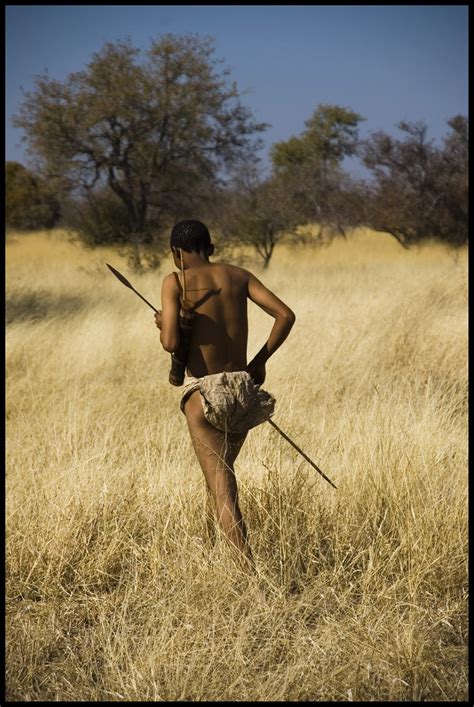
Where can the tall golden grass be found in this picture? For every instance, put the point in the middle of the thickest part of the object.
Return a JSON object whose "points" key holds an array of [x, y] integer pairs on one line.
{"points": [[112, 593]]}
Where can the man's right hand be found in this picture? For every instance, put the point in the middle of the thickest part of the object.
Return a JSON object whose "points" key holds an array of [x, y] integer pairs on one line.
{"points": [[158, 320]]}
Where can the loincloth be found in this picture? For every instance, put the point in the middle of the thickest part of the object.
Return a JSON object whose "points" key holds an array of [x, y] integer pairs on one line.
{"points": [[231, 401]]}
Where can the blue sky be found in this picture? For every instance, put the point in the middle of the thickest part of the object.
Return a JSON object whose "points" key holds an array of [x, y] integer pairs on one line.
{"points": [[386, 62]]}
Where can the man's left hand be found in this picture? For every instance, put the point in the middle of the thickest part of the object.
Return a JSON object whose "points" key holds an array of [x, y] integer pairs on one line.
{"points": [[256, 369]]}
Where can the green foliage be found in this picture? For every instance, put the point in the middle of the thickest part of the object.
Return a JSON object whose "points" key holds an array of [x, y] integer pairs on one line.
{"points": [[331, 134], [157, 131], [259, 212], [310, 166], [99, 218], [29, 204], [420, 191], [290, 154], [307, 185], [452, 210]]}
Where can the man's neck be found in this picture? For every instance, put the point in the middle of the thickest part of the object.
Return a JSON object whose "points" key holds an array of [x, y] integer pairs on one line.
{"points": [[194, 260]]}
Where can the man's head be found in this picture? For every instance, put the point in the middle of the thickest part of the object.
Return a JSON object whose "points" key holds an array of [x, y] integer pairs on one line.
{"points": [[191, 236]]}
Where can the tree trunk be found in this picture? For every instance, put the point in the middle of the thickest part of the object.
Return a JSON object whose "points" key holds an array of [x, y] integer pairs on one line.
{"points": [[135, 258], [268, 248], [342, 231], [397, 235], [266, 259]]}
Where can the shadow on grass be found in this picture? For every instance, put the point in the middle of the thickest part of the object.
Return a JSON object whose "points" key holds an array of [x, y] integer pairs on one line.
{"points": [[40, 304]]}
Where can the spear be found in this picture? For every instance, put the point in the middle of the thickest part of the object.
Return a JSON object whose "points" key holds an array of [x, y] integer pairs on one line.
{"points": [[125, 282]]}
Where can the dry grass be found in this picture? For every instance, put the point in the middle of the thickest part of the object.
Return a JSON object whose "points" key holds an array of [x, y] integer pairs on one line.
{"points": [[112, 594]]}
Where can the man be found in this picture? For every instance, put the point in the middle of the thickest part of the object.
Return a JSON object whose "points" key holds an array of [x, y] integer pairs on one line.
{"points": [[222, 399]]}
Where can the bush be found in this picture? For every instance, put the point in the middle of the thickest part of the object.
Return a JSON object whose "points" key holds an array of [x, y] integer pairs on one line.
{"points": [[29, 204]]}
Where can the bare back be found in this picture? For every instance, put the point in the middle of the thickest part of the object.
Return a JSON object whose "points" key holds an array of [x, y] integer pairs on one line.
{"points": [[220, 325], [219, 292]]}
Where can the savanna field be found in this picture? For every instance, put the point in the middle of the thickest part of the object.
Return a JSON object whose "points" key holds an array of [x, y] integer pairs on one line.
{"points": [[113, 594]]}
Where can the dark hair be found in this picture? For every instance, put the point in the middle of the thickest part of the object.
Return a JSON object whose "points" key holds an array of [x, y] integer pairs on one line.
{"points": [[190, 235]]}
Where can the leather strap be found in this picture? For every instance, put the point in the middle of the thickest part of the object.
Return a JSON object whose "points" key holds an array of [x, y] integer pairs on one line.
{"points": [[178, 283]]}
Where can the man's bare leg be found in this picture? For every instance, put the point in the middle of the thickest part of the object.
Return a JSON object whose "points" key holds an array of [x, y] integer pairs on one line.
{"points": [[217, 455], [209, 517]]}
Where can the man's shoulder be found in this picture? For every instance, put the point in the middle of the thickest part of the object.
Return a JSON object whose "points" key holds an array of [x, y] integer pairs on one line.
{"points": [[234, 270], [170, 281]]}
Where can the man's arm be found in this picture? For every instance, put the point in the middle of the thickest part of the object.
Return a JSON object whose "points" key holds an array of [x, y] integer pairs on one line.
{"points": [[284, 320], [169, 335]]}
